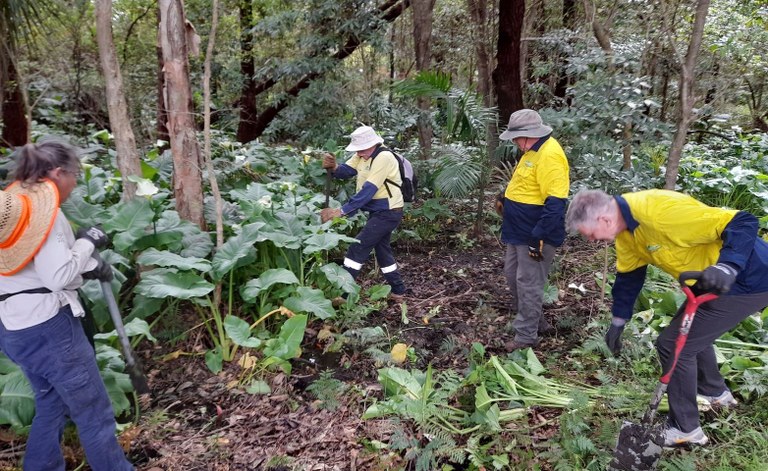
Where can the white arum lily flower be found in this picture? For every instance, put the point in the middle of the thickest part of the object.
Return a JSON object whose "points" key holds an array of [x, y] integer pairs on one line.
{"points": [[145, 187], [266, 201]]}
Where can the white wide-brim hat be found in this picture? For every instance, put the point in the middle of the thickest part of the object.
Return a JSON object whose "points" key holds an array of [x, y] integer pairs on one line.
{"points": [[363, 138], [27, 213], [525, 123]]}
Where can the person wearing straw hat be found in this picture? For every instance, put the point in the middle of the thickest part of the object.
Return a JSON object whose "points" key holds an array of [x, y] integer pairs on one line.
{"points": [[373, 165], [533, 210], [42, 264]]}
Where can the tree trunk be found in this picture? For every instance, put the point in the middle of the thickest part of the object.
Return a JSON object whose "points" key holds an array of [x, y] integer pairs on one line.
{"points": [[14, 109], [187, 176], [478, 11], [422, 33], [125, 141], [162, 110], [246, 130], [506, 76], [687, 96]]}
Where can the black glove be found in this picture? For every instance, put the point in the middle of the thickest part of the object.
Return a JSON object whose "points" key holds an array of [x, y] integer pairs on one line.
{"points": [[102, 272], [535, 249], [95, 234], [718, 278], [613, 338]]}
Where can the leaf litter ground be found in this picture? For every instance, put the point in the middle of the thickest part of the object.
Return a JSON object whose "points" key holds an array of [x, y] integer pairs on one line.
{"points": [[198, 421]]}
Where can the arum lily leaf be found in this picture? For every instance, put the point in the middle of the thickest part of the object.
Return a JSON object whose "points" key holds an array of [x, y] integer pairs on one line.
{"points": [[399, 381], [339, 277], [287, 345], [240, 332], [169, 259], [310, 300], [324, 241], [17, 402], [129, 221], [267, 279], [164, 283], [237, 251]]}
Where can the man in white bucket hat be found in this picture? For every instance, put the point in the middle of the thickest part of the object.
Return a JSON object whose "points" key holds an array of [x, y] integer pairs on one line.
{"points": [[533, 212], [375, 167]]}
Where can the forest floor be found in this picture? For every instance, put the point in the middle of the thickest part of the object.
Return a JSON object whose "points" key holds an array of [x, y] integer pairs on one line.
{"points": [[198, 421]]}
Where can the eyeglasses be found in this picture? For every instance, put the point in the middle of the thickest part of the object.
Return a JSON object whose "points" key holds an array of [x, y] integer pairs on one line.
{"points": [[75, 173]]}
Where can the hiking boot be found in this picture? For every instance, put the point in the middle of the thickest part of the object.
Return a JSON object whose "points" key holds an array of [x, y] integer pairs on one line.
{"points": [[397, 298], [518, 345], [724, 400], [674, 437], [546, 329]]}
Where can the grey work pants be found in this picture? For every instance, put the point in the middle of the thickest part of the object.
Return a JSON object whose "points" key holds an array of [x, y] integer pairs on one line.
{"points": [[526, 279], [696, 370]]}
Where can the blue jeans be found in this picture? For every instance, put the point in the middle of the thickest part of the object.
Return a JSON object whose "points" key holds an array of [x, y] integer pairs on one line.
{"points": [[61, 367]]}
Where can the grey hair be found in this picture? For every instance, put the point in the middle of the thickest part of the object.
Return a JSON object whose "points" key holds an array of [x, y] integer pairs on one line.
{"points": [[34, 161], [585, 208]]}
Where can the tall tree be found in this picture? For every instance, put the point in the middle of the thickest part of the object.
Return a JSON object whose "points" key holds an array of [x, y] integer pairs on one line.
{"points": [[17, 18], [187, 175], [385, 13], [119, 120], [246, 129], [687, 94], [422, 34], [506, 76]]}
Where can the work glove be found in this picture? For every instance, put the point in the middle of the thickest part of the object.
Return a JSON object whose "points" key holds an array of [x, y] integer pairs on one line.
{"points": [[535, 249], [102, 272], [329, 161], [499, 204], [94, 234], [613, 336], [718, 278], [327, 214]]}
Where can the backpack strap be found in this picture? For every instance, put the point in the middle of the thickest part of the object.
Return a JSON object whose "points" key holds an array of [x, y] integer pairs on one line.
{"points": [[379, 149], [3, 297]]}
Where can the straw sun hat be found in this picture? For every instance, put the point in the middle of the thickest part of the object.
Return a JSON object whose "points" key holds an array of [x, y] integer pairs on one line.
{"points": [[26, 217]]}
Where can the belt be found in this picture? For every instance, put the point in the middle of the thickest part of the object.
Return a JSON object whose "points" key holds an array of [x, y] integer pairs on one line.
{"points": [[397, 209]]}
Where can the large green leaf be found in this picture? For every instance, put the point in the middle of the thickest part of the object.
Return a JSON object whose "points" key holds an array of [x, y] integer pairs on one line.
{"points": [[287, 345], [17, 401], [399, 381], [169, 259], [82, 213], [240, 332], [325, 241], [339, 277], [273, 276], [129, 222], [166, 282], [310, 300], [132, 329], [237, 251]]}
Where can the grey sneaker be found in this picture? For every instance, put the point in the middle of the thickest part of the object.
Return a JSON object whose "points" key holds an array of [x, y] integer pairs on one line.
{"points": [[674, 437], [724, 400]]}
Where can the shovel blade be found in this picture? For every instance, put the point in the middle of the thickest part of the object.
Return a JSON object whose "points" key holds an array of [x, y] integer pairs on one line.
{"points": [[638, 449]]}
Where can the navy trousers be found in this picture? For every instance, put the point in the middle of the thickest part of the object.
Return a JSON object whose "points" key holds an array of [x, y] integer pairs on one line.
{"points": [[376, 235]]}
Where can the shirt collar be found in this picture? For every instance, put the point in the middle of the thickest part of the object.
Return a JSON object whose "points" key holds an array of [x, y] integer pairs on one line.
{"points": [[626, 213], [540, 143]]}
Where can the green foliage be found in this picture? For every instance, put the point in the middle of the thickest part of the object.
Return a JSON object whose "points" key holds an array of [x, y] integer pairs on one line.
{"points": [[328, 390]]}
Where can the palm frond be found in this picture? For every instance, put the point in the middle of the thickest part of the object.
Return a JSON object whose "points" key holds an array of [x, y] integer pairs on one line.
{"points": [[457, 173]]}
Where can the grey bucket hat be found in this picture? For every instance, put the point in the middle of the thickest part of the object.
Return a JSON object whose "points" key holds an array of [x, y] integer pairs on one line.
{"points": [[525, 123]]}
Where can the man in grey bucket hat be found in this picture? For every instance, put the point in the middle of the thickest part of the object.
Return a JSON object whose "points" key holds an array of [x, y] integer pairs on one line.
{"points": [[533, 221]]}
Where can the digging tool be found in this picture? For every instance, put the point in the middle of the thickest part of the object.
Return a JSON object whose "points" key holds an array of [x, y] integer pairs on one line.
{"points": [[640, 445], [328, 178], [133, 367]]}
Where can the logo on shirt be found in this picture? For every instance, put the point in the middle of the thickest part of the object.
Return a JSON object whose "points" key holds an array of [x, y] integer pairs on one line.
{"points": [[652, 248], [528, 163]]}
